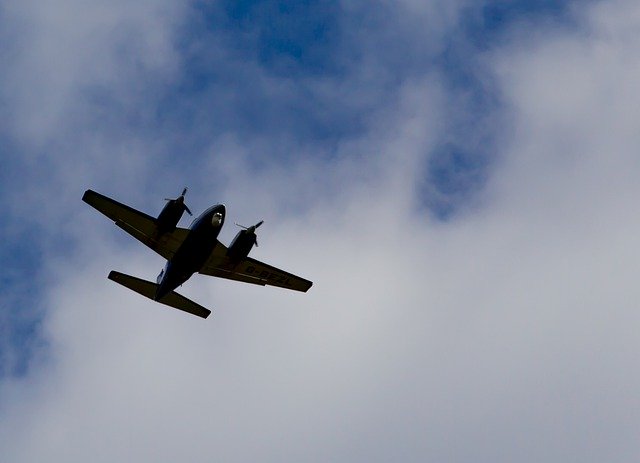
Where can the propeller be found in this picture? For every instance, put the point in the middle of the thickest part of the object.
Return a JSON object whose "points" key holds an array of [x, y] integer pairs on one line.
{"points": [[251, 229], [180, 199]]}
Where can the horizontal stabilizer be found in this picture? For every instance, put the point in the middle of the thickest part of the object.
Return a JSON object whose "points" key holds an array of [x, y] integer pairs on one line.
{"points": [[148, 289]]}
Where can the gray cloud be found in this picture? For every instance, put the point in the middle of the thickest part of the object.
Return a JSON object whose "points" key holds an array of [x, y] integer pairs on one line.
{"points": [[505, 334]]}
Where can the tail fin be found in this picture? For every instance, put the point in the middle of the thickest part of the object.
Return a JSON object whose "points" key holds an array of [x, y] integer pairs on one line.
{"points": [[148, 289]]}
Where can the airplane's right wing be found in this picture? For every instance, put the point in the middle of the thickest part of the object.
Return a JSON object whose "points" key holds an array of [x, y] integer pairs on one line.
{"points": [[250, 270], [141, 226]]}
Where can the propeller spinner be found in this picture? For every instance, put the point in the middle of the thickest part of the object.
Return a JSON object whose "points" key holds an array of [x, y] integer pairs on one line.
{"points": [[243, 242], [251, 229], [171, 213], [180, 200]]}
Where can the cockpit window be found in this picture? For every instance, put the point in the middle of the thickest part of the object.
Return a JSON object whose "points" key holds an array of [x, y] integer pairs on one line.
{"points": [[216, 219]]}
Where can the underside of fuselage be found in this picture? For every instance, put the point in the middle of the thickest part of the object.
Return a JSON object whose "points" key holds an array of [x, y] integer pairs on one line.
{"points": [[194, 251]]}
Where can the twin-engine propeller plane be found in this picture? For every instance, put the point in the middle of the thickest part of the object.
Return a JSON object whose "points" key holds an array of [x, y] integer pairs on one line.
{"points": [[191, 250]]}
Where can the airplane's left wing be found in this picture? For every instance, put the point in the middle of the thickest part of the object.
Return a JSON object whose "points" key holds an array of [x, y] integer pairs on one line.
{"points": [[250, 270], [141, 226]]}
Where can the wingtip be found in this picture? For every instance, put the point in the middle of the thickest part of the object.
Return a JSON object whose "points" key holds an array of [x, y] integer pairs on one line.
{"points": [[86, 195]]}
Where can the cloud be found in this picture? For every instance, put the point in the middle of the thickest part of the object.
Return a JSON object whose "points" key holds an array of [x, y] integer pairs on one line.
{"points": [[505, 333]]}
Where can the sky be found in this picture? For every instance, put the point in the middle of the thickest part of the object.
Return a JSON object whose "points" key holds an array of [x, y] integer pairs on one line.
{"points": [[458, 178]]}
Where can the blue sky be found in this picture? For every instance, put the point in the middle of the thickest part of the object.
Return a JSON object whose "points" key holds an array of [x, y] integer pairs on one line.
{"points": [[451, 131]]}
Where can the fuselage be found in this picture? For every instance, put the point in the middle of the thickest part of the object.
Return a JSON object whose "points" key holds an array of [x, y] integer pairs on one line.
{"points": [[194, 251]]}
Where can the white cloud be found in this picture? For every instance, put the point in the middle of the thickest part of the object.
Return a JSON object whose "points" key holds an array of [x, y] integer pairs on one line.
{"points": [[60, 50], [507, 334]]}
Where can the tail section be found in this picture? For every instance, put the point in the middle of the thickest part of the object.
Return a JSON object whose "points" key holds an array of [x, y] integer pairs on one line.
{"points": [[148, 289]]}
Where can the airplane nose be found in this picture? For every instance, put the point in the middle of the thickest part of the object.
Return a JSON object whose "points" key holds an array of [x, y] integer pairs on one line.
{"points": [[217, 219]]}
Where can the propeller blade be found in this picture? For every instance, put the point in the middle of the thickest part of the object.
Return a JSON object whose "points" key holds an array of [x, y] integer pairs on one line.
{"points": [[184, 192], [252, 227]]}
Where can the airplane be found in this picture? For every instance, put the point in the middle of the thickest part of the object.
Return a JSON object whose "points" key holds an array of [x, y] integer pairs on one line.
{"points": [[189, 251]]}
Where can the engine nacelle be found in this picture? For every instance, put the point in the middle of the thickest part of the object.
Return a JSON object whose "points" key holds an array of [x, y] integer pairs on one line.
{"points": [[242, 244], [169, 217], [172, 213]]}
